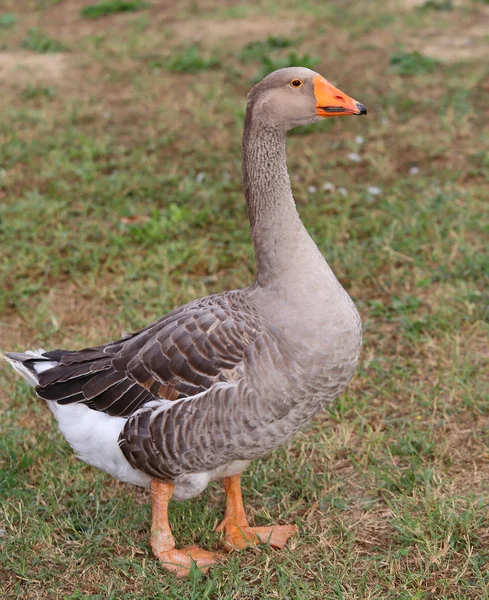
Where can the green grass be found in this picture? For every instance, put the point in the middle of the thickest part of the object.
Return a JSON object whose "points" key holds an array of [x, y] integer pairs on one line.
{"points": [[260, 49], [38, 41], [437, 5], [188, 60], [121, 199], [38, 91], [110, 7], [7, 20], [412, 63]]}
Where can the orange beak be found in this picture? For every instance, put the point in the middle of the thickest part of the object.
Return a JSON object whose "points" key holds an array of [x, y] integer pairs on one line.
{"points": [[331, 102]]}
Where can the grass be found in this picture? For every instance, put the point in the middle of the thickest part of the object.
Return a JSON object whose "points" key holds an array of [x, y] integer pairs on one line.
{"points": [[188, 60], [38, 41], [7, 20], [260, 49], [120, 198], [412, 63], [37, 91], [110, 7], [440, 5]]}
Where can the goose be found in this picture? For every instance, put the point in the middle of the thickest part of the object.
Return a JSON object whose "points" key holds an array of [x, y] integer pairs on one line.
{"points": [[224, 379]]}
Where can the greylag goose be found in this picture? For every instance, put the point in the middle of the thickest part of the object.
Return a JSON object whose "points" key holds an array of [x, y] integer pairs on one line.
{"points": [[224, 379]]}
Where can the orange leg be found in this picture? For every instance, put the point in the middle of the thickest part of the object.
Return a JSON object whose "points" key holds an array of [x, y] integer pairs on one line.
{"points": [[163, 542], [238, 533]]}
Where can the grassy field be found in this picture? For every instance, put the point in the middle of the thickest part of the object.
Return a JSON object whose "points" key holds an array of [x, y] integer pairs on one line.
{"points": [[120, 198]]}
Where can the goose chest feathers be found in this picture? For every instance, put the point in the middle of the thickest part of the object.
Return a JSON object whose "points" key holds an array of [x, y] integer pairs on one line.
{"points": [[224, 379]]}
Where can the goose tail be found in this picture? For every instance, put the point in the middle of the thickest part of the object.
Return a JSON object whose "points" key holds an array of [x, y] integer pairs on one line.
{"points": [[31, 362]]}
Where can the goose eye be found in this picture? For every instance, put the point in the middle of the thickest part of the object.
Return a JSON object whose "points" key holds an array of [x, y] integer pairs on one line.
{"points": [[296, 83]]}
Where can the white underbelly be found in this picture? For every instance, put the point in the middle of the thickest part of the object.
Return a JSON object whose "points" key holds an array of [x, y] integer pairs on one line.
{"points": [[94, 436], [188, 486]]}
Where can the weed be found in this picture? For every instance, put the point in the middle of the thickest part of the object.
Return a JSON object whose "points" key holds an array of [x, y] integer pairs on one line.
{"points": [[257, 51], [187, 60], [109, 7], [437, 5], [7, 20], [412, 63], [38, 91], [38, 41]]}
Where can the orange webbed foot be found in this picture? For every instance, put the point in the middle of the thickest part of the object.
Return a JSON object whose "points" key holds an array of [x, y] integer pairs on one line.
{"points": [[276, 536], [162, 542], [238, 534], [239, 538], [180, 561]]}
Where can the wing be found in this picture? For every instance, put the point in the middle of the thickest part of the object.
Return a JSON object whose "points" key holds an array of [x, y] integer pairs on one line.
{"points": [[237, 420], [182, 354]]}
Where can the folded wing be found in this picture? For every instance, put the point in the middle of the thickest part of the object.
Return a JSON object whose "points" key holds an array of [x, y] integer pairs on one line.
{"points": [[182, 354]]}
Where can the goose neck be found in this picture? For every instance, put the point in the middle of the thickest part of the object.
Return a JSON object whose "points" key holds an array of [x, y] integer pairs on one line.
{"points": [[282, 245]]}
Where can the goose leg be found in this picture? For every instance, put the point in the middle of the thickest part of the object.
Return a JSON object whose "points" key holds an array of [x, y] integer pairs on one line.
{"points": [[238, 533], [163, 542]]}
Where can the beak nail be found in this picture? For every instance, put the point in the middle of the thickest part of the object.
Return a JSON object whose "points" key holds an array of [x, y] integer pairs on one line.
{"points": [[361, 108]]}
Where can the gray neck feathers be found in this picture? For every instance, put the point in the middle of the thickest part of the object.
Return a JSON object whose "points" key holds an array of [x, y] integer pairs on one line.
{"points": [[284, 251]]}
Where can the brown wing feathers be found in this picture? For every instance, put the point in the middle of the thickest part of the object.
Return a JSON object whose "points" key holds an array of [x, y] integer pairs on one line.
{"points": [[93, 382], [180, 355]]}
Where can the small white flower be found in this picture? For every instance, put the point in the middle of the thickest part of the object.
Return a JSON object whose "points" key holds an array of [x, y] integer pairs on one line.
{"points": [[374, 190], [107, 114], [413, 171], [359, 140], [3, 172], [353, 156], [329, 187], [342, 191], [200, 177], [312, 189]]}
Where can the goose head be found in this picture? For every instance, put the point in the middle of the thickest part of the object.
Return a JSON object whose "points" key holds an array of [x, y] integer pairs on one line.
{"points": [[297, 96]]}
